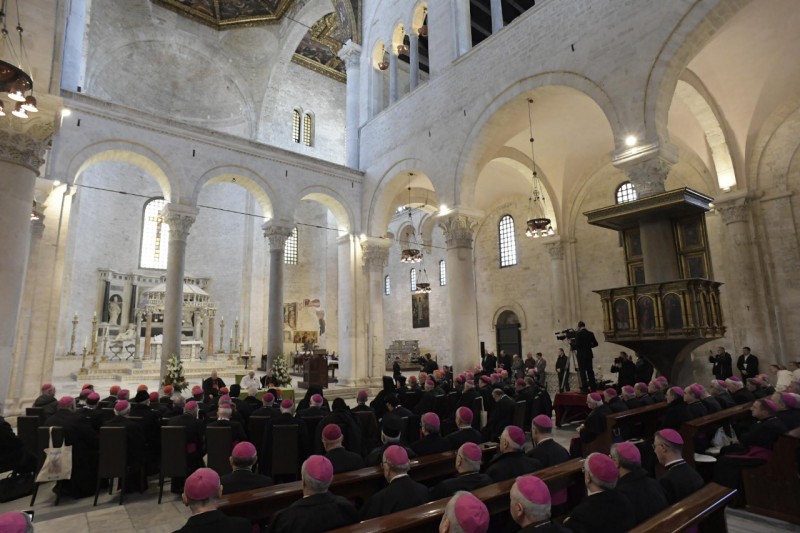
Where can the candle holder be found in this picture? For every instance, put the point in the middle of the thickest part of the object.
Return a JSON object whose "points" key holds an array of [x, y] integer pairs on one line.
{"points": [[83, 371], [94, 334], [221, 335], [103, 357], [94, 361], [72, 337]]}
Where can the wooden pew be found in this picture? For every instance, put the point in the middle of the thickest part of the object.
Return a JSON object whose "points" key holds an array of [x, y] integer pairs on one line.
{"points": [[773, 489], [705, 509], [260, 505], [648, 416], [708, 425], [426, 518]]}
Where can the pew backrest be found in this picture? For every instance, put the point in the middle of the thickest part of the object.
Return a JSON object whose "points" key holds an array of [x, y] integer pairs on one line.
{"points": [[772, 489], [706, 507], [646, 418], [707, 425]]}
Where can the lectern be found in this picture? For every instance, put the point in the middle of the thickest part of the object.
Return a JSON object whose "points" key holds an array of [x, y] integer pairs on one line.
{"points": [[315, 372]]}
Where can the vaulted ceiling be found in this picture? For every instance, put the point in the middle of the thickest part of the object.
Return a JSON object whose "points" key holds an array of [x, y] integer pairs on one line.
{"points": [[221, 14]]}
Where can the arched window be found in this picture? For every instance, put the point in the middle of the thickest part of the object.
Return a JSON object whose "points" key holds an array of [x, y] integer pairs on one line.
{"points": [[508, 242], [296, 125], [413, 279], [155, 235], [387, 285], [308, 129], [626, 193], [442, 273], [290, 249]]}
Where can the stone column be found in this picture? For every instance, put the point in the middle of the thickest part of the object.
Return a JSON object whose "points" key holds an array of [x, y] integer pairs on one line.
{"points": [[558, 285], [459, 228], [375, 251], [276, 235], [497, 16], [180, 219], [393, 82], [350, 53], [413, 55], [22, 149], [647, 168], [210, 333], [740, 273], [348, 363], [463, 29], [148, 328]]}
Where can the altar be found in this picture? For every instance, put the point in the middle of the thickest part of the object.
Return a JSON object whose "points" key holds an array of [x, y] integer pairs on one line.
{"points": [[190, 349]]}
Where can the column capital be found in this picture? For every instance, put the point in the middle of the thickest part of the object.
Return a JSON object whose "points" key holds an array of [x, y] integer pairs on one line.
{"points": [[556, 249], [277, 233], [374, 252], [647, 166], [459, 226], [180, 219], [350, 53], [733, 211], [24, 143]]}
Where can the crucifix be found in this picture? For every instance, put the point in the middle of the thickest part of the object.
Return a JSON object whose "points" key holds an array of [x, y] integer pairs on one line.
{"points": [[159, 221]]}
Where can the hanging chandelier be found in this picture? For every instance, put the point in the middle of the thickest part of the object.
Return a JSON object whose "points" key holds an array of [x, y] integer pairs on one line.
{"points": [[538, 225], [423, 287], [14, 81], [412, 254]]}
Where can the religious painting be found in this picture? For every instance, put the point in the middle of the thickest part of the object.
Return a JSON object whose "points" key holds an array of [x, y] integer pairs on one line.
{"points": [[673, 315], [305, 337], [694, 265], [622, 314], [290, 315], [633, 244], [690, 234], [645, 313], [420, 311], [636, 273]]}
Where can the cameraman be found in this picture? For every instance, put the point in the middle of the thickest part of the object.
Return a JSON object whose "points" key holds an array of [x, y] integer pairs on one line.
{"points": [[583, 344], [722, 363], [626, 370]]}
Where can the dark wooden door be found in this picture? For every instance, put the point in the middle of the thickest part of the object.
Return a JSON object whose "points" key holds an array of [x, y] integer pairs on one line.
{"points": [[509, 339]]}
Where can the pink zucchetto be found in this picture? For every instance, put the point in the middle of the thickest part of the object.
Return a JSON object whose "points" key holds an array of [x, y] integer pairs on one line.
{"points": [[123, 394], [362, 395], [332, 432], [471, 451], [287, 404], [65, 401], [201, 485], [543, 421], [671, 436], [46, 387], [697, 390], [13, 522], [789, 400], [465, 414], [516, 434], [191, 405], [533, 489], [396, 455], [197, 390], [662, 379], [269, 398], [641, 386], [153, 396], [596, 397], [471, 513], [677, 391], [319, 467], [735, 379], [486, 379], [244, 450], [611, 393], [627, 389], [602, 467], [629, 452], [121, 406], [316, 398], [431, 419]]}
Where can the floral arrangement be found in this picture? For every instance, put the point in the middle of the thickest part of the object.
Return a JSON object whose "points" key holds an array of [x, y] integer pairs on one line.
{"points": [[280, 372], [175, 375]]}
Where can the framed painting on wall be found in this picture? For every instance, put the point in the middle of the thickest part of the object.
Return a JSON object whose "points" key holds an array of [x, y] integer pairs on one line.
{"points": [[420, 311], [694, 265]]}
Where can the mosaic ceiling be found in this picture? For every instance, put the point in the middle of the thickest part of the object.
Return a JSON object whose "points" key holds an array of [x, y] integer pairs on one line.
{"points": [[320, 44]]}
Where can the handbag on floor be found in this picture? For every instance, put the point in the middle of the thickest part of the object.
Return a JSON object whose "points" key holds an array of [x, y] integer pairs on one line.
{"points": [[57, 462], [16, 486]]}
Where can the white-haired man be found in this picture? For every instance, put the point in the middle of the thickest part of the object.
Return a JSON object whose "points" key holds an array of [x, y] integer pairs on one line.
{"points": [[401, 493], [464, 513], [603, 510], [530, 506]]}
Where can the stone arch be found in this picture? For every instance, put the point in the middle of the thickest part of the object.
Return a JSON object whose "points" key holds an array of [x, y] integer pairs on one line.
{"points": [[398, 35], [245, 178], [514, 307], [418, 14], [777, 153], [394, 181], [695, 29], [467, 171], [705, 109], [126, 152], [340, 208]]}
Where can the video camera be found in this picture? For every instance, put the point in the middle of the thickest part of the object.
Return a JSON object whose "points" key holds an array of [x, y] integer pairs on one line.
{"points": [[570, 334]]}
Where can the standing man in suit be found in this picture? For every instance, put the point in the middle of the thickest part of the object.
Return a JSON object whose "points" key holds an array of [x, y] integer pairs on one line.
{"points": [[562, 368], [721, 363], [680, 480], [747, 364], [584, 342], [502, 415]]}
